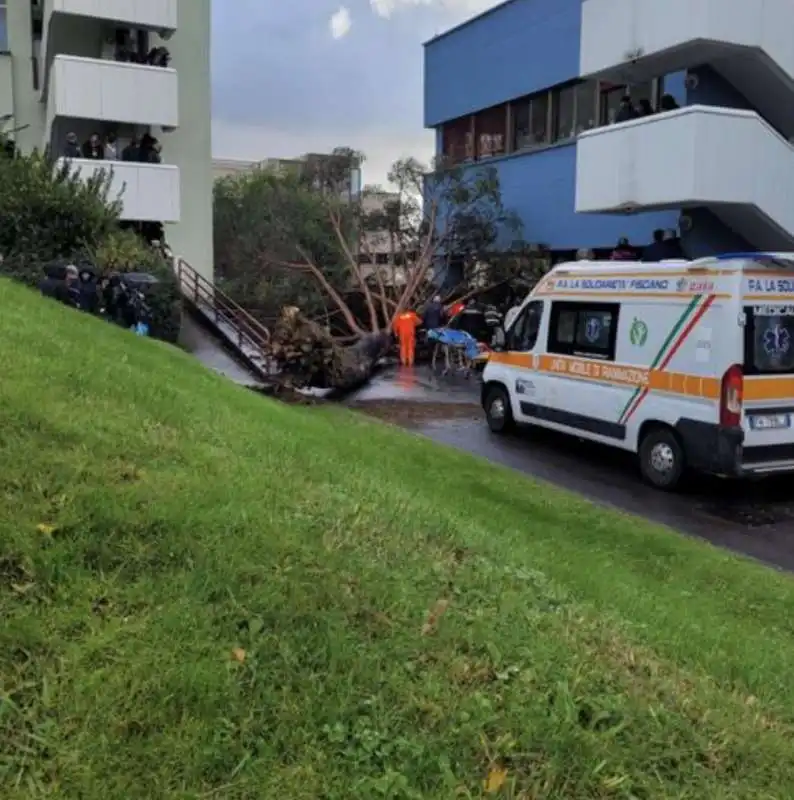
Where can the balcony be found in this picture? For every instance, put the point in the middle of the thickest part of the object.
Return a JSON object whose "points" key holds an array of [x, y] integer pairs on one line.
{"points": [[749, 43], [156, 15], [148, 192], [111, 91], [728, 160]]}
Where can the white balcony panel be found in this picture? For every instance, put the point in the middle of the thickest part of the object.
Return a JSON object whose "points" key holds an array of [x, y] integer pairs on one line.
{"points": [[617, 31], [729, 160], [109, 91], [148, 192], [748, 41], [160, 15]]}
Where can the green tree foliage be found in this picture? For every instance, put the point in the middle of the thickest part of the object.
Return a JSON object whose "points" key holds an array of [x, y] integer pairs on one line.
{"points": [[48, 214], [306, 236], [265, 222]]}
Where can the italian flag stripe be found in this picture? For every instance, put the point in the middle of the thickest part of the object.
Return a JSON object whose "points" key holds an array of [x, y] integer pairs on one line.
{"points": [[639, 393]]}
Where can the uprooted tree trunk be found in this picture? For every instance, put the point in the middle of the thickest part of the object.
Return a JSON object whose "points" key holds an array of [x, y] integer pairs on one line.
{"points": [[307, 355]]}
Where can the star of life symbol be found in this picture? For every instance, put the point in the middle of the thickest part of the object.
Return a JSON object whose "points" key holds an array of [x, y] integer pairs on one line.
{"points": [[777, 341], [592, 330]]}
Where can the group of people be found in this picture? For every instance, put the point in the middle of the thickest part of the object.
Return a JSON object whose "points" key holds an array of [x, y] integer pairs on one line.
{"points": [[108, 296], [644, 108], [666, 245], [472, 318], [145, 149]]}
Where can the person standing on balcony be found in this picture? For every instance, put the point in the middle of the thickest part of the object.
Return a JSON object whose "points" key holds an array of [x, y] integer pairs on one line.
{"points": [[93, 149], [147, 151], [72, 148], [624, 251], [132, 151], [111, 148], [626, 110]]}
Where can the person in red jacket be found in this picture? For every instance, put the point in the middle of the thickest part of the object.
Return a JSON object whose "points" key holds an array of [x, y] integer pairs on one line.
{"points": [[405, 325]]}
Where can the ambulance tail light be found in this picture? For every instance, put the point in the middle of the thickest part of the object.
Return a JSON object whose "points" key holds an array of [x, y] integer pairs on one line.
{"points": [[731, 397]]}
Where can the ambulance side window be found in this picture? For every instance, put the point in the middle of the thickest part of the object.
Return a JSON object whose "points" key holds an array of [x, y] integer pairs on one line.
{"points": [[584, 329], [523, 333]]}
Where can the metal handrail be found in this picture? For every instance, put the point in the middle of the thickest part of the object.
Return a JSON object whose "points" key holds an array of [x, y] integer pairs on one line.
{"points": [[200, 291]]}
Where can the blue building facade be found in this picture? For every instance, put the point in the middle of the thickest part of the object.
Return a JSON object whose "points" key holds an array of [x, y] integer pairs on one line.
{"points": [[505, 89]]}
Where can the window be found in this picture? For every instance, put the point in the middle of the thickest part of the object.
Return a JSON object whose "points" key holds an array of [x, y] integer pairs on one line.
{"points": [[564, 113], [576, 329], [610, 95], [457, 140], [585, 106], [539, 120], [490, 127], [769, 340], [523, 333], [521, 129], [3, 26]]}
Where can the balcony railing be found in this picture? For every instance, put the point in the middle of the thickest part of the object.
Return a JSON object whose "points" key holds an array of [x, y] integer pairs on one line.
{"points": [[148, 192], [158, 15], [111, 91], [728, 160]]}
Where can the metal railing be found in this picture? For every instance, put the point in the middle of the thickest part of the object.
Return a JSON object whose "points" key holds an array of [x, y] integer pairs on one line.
{"points": [[229, 317]]}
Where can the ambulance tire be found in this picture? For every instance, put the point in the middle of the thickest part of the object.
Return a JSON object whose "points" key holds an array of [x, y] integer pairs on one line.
{"points": [[662, 459], [498, 411]]}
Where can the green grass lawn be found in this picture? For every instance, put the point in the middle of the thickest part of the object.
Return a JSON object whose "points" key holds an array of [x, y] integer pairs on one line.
{"points": [[206, 594]]}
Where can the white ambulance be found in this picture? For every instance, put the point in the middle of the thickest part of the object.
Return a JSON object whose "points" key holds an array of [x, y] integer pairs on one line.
{"points": [[687, 364]]}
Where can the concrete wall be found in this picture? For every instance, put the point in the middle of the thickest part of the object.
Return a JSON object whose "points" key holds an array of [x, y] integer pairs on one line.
{"points": [[540, 188], [513, 50], [713, 90], [709, 236], [26, 106], [190, 146]]}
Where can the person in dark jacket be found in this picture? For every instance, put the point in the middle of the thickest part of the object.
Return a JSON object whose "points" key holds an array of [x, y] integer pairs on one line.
{"points": [[668, 103], [89, 291], [93, 148], [626, 110], [132, 151], [645, 109], [61, 284], [434, 315], [147, 152], [656, 250], [72, 148]]}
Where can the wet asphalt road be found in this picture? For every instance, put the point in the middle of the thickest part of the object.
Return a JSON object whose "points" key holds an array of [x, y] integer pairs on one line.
{"points": [[756, 519]]}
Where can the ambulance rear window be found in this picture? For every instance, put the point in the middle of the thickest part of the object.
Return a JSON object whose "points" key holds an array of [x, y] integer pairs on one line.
{"points": [[769, 339]]}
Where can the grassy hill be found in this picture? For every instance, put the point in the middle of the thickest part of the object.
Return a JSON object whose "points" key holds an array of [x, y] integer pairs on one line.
{"points": [[205, 594]]}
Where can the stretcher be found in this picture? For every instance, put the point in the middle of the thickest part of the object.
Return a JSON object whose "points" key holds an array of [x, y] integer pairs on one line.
{"points": [[460, 350]]}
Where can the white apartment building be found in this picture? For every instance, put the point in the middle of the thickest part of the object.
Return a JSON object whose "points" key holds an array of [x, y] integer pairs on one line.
{"points": [[74, 66]]}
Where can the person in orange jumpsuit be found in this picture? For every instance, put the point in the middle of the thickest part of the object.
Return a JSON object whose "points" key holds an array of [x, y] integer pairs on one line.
{"points": [[405, 326]]}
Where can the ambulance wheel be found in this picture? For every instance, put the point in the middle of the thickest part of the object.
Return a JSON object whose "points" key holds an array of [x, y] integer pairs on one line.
{"points": [[661, 458], [498, 411]]}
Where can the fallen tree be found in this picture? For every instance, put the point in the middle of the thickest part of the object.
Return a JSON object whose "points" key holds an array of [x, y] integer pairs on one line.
{"points": [[343, 263], [305, 354]]}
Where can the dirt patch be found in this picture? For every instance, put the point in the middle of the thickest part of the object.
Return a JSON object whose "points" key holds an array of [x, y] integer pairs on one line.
{"points": [[409, 414]]}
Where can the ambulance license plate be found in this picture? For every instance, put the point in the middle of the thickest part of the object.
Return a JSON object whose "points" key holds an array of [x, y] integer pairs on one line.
{"points": [[769, 422]]}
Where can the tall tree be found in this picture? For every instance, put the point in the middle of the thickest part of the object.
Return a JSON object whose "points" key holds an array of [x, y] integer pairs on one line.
{"points": [[398, 251], [307, 236]]}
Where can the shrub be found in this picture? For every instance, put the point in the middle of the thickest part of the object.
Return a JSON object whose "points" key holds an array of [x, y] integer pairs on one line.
{"points": [[49, 214]]}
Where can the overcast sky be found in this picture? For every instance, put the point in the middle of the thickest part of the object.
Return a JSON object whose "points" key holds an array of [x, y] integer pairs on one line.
{"points": [[297, 76]]}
